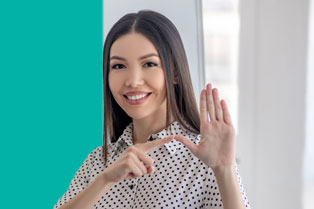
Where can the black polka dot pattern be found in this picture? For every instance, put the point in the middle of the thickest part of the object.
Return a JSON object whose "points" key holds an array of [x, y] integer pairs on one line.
{"points": [[180, 181]]}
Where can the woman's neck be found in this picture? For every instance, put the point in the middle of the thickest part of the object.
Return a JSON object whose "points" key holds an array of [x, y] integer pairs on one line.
{"points": [[143, 128]]}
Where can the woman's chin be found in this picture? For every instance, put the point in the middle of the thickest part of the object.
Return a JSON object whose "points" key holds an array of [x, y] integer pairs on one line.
{"points": [[137, 115]]}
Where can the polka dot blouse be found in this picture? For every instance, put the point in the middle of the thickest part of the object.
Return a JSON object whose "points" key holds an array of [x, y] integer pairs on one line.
{"points": [[180, 180]]}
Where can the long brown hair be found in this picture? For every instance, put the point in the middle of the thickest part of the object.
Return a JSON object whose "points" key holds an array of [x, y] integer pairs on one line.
{"points": [[180, 96]]}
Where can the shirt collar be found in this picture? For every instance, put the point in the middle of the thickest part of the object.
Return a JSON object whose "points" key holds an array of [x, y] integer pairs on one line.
{"points": [[173, 129], [126, 137]]}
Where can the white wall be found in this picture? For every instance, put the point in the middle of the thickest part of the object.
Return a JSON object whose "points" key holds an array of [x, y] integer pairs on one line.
{"points": [[185, 14], [272, 83], [308, 181]]}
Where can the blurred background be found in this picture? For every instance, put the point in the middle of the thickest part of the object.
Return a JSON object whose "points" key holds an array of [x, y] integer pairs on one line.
{"points": [[259, 54]]}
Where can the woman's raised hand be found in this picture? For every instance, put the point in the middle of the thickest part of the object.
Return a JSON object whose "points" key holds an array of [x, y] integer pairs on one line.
{"points": [[217, 145], [134, 162]]}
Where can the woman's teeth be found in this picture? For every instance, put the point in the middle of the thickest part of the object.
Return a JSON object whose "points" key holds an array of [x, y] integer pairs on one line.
{"points": [[136, 97]]}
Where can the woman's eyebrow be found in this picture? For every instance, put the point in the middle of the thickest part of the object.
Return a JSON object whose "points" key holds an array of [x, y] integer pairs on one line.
{"points": [[148, 55], [117, 58], [142, 57]]}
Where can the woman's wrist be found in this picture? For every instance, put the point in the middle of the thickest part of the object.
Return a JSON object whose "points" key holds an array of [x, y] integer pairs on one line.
{"points": [[224, 170], [103, 179]]}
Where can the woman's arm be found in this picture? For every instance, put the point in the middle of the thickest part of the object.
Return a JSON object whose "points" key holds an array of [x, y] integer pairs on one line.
{"points": [[90, 195], [229, 187], [133, 163]]}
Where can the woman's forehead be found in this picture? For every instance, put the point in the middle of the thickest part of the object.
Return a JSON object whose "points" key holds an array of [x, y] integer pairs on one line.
{"points": [[132, 45]]}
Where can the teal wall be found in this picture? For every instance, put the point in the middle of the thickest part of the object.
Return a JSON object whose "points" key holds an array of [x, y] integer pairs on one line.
{"points": [[50, 96]]}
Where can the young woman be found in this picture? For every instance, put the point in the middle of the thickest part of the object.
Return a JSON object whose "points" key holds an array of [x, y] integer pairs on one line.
{"points": [[158, 151]]}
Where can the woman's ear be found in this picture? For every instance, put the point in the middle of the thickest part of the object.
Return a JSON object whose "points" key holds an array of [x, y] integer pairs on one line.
{"points": [[175, 78], [174, 75]]}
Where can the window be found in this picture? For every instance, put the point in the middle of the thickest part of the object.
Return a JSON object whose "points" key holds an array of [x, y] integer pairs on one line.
{"points": [[221, 29]]}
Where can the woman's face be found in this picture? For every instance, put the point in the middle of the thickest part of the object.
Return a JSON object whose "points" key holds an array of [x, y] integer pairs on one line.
{"points": [[136, 78]]}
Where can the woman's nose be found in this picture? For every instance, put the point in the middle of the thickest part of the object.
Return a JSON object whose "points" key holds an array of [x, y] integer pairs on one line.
{"points": [[134, 78]]}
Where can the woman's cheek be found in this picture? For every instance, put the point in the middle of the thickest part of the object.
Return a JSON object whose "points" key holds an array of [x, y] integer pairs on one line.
{"points": [[114, 83], [157, 78]]}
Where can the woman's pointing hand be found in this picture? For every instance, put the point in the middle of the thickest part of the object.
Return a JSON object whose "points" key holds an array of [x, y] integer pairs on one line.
{"points": [[134, 162]]}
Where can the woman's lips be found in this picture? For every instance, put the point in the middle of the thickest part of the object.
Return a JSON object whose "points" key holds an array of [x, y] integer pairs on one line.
{"points": [[136, 98]]}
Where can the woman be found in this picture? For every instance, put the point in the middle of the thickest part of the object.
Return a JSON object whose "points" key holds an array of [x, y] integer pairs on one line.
{"points": [[158, 152]]}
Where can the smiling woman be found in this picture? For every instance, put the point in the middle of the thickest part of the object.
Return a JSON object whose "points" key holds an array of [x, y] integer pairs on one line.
{"points": [[137, 80], [129, 44], [149, 102]]}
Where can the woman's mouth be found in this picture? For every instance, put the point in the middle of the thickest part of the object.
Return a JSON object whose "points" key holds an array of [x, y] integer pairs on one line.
{"points": [[135, 99]]}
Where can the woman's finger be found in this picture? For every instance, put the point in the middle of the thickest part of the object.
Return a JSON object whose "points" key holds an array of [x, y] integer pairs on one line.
{"points": [[226, 114], [139, 164], [149, 146], [135, 170], [203, 108], [151, 170], [188, 143], [218, 109], [210, 103], [148, 162]]}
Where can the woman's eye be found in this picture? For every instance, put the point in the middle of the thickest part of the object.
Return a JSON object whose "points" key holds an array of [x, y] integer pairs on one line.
{"points": [[117, 66], [150, 64]]}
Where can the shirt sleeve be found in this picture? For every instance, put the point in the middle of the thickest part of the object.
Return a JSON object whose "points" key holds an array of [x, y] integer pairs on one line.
{"points": [[245, 199], [213, 199], [80, 180]]}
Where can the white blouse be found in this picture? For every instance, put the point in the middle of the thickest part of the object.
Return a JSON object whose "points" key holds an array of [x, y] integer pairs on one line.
{"points": [[180, 179]]}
